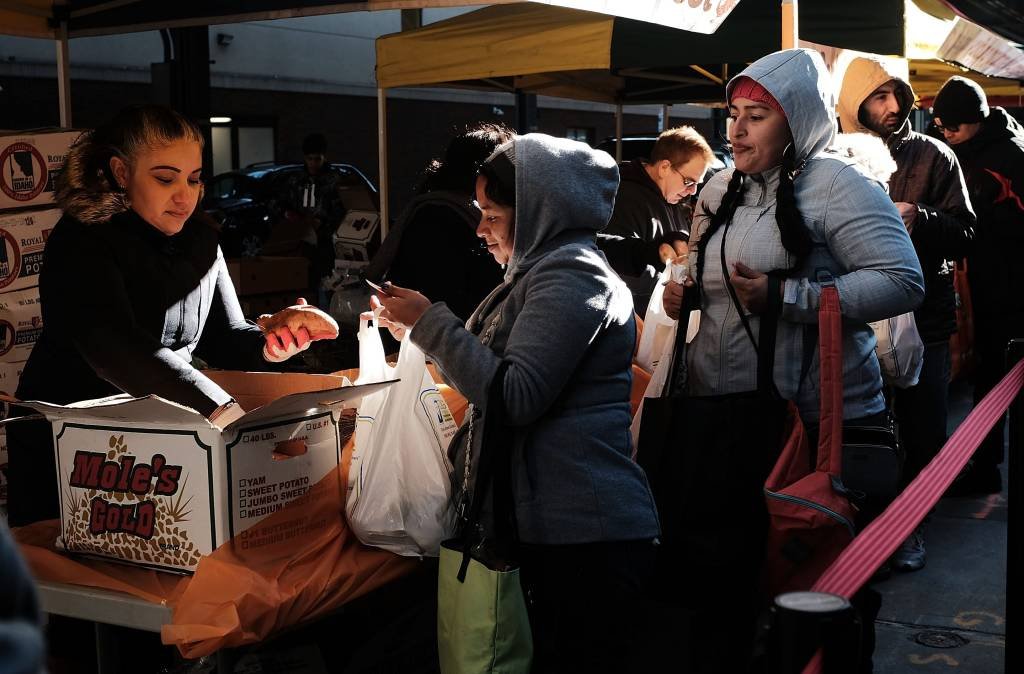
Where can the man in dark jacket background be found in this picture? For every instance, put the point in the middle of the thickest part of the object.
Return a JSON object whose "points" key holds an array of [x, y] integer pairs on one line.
{"points": [[990, 146], [929, 191], [650, 212]]}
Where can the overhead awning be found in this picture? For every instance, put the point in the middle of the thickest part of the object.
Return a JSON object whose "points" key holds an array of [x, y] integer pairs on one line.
{"points": [[1005, 17], [582, 55], [38, 18]]}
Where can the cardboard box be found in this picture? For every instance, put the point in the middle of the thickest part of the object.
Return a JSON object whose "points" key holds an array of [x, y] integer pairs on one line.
{"points": [[294, 235], [3, 472], [153, 483], [28, 163], [10, 375], [262, 275], [358, 236], [23, 236], [21, 323]]}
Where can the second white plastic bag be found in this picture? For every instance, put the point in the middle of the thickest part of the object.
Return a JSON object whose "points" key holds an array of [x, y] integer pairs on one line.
{"points": [[399, 485]]}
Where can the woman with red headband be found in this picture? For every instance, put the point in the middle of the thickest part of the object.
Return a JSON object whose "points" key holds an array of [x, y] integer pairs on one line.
{"points": [[765, 236]]}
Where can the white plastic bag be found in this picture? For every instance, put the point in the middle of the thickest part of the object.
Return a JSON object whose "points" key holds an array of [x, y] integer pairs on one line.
{"points": [[659, 379], [659, 330], [899, 349], [399, 485]]}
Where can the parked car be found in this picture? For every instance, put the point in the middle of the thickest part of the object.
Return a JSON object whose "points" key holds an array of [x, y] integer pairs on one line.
{"points": [[641, 144], [241, 201]]}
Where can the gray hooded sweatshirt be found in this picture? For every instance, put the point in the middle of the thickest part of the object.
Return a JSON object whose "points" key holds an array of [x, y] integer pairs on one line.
{"points": [[857, 236], [564, 322]]}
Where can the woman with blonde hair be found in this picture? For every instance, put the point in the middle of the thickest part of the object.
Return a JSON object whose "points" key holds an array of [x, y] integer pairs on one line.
{"points": [[133, 287]]}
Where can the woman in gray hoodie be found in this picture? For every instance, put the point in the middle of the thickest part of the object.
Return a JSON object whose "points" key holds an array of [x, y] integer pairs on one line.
{"points": [[563, 323], [765, 237]]}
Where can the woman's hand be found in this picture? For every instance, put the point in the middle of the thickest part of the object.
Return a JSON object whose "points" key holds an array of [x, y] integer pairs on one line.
{"points": [[400, 308], [672, 300], [397, 331], [751, 287]]}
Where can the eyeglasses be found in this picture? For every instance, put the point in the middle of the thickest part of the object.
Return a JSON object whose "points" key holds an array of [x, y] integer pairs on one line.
{"points": [[687, 182], [952, 128]]}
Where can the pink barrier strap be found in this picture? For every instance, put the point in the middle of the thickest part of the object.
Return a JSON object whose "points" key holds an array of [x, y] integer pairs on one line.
{"points": [[856, 564]]}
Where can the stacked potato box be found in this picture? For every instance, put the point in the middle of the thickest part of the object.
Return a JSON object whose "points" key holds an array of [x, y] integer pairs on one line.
{"points": [[28, 163]]}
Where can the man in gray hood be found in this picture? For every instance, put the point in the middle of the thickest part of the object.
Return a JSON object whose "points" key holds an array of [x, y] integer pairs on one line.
{"points": [[928, 189]]}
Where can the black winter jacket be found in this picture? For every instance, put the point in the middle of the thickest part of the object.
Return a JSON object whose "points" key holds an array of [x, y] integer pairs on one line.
{"points": [[641, 221], [993, 163], [124, 309], [929, 175]]}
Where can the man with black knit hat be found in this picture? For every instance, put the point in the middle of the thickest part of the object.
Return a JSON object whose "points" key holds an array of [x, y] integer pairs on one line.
{"points": [[929, 192], [990, 146]]}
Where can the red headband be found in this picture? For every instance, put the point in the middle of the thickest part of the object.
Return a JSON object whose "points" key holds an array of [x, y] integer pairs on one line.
{"points": [[746, 87]]}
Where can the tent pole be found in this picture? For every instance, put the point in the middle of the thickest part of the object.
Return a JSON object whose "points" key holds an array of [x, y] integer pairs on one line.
{"points": [[790, 24], [665, 123], [618, 132], [63, 74], [382, 158]]}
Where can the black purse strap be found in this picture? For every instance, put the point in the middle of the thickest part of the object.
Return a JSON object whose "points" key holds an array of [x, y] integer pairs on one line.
{"points": [[765, 347], [493, 474]]}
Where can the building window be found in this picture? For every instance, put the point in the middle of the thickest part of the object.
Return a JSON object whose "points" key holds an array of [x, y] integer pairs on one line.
{"points": [[582, 134], [239, 144]]}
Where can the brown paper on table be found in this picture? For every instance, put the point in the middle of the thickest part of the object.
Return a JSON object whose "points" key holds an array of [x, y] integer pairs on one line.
{"points": [[297, 564]]}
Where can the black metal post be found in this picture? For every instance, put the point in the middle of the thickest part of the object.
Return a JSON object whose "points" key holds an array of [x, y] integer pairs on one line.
{"points": [[802, 623], [526, 112], [1014, 539]]}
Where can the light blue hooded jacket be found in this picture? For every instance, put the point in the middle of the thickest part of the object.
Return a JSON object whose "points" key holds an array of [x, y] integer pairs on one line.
{"points": [[858, 237], [563, 320]]}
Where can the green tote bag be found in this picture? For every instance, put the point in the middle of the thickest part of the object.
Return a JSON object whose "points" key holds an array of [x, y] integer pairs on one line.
{"points": [[482, 621]]}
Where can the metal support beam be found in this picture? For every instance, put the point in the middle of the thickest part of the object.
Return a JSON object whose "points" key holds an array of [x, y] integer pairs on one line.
{"points": [[412, 19], [526, 112], [665, 116], [63, 74], [382, 158], [618, 133], [790, 24]]}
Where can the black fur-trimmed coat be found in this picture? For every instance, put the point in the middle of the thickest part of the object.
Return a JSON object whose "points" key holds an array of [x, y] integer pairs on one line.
{"points": [[125, 306], [124, 309]]}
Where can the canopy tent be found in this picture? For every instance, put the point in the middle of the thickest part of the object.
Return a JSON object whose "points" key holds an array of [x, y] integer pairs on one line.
{"points": [[42, 18], [1005, 17], [581, 55]]}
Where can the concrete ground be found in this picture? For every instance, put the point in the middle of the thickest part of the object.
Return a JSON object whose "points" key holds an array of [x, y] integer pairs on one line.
{"points": [[950, 615]]}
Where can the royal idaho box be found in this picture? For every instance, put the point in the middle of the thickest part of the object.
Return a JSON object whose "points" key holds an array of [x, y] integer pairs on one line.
{"points": [[23, 236], [28, 163], [153, 483], [3, 473], [21, 323]]}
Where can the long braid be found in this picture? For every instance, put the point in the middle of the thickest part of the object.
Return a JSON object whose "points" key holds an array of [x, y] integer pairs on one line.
{"points": [[726, 209], [796, 238]]}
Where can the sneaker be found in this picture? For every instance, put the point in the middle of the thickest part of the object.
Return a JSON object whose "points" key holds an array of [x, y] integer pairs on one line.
{"points": [[910, 556]]}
